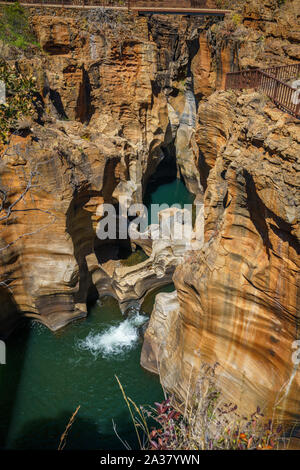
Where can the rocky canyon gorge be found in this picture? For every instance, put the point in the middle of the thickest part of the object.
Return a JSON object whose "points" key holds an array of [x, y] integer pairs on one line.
{"points": [[116, 95]]}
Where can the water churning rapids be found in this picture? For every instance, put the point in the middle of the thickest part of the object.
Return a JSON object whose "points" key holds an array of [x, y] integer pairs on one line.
{"points": [[114, 340]]}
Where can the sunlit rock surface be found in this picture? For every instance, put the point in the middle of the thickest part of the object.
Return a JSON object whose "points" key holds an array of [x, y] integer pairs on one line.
{"points": [[116, 93], [169, 241], [159, 331]]}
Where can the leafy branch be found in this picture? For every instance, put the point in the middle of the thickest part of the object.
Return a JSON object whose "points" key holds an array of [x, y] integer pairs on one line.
{"points": [[20, 96]]}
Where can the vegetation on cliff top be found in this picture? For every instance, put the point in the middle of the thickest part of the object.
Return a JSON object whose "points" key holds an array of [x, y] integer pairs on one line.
{"points": [[15, 28]]}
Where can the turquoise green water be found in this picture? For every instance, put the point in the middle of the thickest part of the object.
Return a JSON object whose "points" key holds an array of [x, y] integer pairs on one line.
{"points": [[170, 193], [48, 375]]}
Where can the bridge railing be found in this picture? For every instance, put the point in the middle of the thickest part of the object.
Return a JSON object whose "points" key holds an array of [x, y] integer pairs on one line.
{"points": [[102, 3], [243, 79], [267, 80]]}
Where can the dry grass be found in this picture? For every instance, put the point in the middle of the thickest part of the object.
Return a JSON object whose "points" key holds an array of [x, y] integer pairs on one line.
{"points": [[204, 422]]}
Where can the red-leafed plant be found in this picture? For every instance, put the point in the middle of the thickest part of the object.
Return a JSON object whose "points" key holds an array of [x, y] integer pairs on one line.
{"points": [[204, 422]]}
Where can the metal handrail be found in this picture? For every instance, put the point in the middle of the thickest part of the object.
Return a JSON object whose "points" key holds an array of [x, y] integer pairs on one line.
{"points": [[270, 81], [154, 4]]}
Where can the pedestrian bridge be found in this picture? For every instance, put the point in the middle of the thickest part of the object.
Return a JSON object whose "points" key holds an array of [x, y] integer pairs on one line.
{"points": [[141, 7]]}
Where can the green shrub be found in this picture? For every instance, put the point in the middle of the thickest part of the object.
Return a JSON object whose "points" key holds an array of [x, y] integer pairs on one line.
{"points": [[139, 256], [14, 26], [20, 95]]}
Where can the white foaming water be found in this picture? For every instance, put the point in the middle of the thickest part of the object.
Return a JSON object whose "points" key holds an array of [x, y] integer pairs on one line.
{"points": [[114, 340]]}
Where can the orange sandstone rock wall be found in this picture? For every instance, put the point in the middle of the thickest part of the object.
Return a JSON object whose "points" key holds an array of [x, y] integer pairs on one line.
{"points": [[238, 298]]}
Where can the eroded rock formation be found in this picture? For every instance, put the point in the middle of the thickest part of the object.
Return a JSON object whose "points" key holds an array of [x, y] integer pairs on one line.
{"points": [[239, 296], [166, 244], [237, 300]]}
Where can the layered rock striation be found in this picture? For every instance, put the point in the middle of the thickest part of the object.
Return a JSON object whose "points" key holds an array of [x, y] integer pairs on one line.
{"points": [[238, 297], [116, 95], [236, 302]]}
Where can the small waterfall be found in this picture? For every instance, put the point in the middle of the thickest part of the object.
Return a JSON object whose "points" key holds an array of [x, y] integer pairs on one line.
{"points": [[115, 340]]}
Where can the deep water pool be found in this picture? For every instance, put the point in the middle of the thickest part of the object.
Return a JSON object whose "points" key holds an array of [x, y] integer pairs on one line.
{"points": [[48, 375]]}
